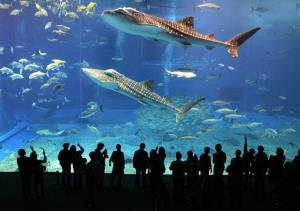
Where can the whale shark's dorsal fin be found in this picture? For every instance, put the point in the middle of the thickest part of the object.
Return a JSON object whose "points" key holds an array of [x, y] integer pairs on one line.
{"points": [[148, 84], [187, 21]]}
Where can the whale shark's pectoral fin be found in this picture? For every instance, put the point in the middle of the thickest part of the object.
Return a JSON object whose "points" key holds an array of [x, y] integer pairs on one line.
{"points": [[209, 47], [187, 21], [148, 84], [185, 44], [142, 102]]}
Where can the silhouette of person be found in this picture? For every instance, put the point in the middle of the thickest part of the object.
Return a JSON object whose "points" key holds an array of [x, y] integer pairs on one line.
{"points": [[260, 170], [118, 160], [219, 159], [248, 160], [37, 171], [25, 169], [296, 167], [205, 166], [101, 154], [92, 172], [162, 155], [235, 181], [65, 163], [192, 171], [178, 168], [140, 163], [276, 166], [78, 163], [155, 172]]}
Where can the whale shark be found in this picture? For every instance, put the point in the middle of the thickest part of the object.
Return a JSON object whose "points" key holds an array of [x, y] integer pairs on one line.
{"points": [[182, 31], [139, 91]]}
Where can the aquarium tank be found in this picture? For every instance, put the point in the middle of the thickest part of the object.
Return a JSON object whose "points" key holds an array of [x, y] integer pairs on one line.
{"points": [[178, 74]]}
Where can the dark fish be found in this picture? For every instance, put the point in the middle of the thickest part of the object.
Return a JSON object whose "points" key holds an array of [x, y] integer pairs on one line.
{"points": [[137, 132], [57, 87]]}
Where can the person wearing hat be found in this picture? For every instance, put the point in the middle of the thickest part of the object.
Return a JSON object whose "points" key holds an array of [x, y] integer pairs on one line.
{"points": [[65, 163]]}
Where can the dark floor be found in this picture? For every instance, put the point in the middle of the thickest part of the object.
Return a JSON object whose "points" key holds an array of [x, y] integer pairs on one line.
{"points": [[127, 199]]}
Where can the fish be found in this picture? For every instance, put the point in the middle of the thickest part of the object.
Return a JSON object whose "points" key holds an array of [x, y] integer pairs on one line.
{"points": [[288, 131], [19, 46], [26, 90], [24, 3], [60, 32], [2, 50], [263, 77], [53, 66], [259, 9], [40, 11], [37, 75], [5, 6], [139, 91], [270, 132], [32, 67], [180, 74], [16, 76], [250, 82], [62, 28], [212, 121], [71, 15], [48, 25], [258, 107], [53, 40], [277, 109], [188, 138], [16, 12], [93, 128], [45, 85], [254, 124], [221, 64], [38, 54], [234, 116], [220, 103], [57, 87], [226, 110], [16, 65], [181, 32], [58, 61], [207, 6], [24, 61], [92, 109], [61, 74], [47, 132], [6, 70], [118, 59], [90, 9], [230, 68], [282, 97], [297, 5]]}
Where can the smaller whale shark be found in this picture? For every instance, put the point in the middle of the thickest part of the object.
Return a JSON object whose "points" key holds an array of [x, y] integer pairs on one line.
{"points": [[182, 31], [139, 91]]}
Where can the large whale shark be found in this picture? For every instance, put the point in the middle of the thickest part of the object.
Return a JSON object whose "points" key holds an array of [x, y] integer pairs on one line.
{"points": [[140, 91], [134, 22]]}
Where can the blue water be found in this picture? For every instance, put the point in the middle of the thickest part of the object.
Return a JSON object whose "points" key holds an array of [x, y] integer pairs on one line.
{"points": [[274, 51]]}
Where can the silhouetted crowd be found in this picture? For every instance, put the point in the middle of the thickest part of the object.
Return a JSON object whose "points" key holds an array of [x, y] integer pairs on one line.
{"points": [[250, 169]]}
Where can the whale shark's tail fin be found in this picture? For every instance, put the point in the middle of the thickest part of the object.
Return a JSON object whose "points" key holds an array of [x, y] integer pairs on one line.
{"points": [[238, 40], [182, 111]]}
